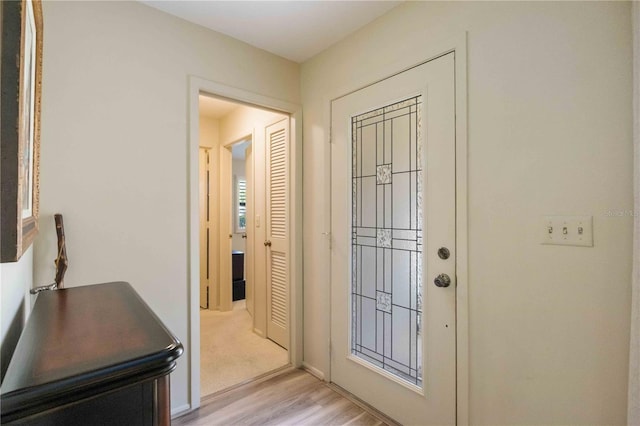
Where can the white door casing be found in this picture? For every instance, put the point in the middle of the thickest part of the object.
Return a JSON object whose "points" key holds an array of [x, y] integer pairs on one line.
{"points": [[377, 294], [226, 229], [258, 146], [250, 231], [196, 86], [205, 226], [277, 231]]}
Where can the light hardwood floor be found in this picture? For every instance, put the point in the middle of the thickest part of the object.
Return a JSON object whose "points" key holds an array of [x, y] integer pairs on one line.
{"points": [[294, 397]]}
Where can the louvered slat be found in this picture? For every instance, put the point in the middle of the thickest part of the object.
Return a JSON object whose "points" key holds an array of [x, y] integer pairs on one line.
{"points": [[279, 289], [278, 184]]}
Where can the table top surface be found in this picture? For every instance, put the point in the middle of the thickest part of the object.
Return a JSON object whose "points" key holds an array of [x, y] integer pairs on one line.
{"points": [[84, 336]]}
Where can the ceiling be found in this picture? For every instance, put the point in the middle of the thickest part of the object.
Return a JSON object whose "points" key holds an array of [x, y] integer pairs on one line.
{"points": [[217, 109], [296, 30], [214, 107]]}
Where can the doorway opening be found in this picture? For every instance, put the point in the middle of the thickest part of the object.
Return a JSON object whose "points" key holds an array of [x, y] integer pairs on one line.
{"points": [[244, 283]]}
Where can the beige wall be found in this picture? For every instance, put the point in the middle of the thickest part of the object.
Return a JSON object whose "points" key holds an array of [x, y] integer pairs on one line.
{"points": [[549, 132], [115, 150], [209, 132]]}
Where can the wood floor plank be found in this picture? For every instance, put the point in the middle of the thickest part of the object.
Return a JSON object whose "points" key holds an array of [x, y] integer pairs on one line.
{"points": [[293, 397]]}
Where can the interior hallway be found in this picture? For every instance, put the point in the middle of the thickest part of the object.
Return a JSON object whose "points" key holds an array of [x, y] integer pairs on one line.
{"points": [[230, 352]]}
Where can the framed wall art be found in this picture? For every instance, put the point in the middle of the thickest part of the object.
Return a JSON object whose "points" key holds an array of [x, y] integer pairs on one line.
{"points": [[21, 79]]}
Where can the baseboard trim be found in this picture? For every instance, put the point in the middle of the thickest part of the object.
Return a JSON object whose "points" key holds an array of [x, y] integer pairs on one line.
{"points": [[313, 371], [261, 378], [360, 403], [180, 411]]}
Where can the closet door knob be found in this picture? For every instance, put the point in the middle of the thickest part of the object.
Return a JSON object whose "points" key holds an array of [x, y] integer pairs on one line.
{"points": [[267, 243]]}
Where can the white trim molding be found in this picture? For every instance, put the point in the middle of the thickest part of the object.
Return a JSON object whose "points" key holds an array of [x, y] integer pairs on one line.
{"points": [[180, 411], [313, 371]]}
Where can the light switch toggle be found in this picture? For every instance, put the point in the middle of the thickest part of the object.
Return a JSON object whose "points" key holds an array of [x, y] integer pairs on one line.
{"points": [[568, 230]]}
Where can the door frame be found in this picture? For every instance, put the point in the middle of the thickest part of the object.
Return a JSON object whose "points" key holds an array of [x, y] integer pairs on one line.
{"points": [[232, 207], [431, 50], [224, 211], [192, 346], [209, 179]]}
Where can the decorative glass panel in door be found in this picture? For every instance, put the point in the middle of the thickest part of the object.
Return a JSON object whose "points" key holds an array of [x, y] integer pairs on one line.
{"points": [[393, 339], [386, 295]]}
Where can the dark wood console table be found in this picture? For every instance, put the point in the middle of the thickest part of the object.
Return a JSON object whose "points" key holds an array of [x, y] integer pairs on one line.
{"points": [[92, 355]]}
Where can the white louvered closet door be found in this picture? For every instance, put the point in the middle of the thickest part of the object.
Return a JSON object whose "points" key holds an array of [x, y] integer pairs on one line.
{"points": [[277, 244]]}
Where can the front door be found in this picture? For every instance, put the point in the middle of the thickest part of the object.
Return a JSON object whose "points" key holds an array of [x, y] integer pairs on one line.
{"points": [[393, 322]]}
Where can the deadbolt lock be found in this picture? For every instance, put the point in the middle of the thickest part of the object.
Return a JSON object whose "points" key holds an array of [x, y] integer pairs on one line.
{"points": [[443, 253]]}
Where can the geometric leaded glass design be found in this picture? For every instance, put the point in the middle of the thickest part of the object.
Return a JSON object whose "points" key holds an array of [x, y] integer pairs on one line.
{"points": [[386, 283]]}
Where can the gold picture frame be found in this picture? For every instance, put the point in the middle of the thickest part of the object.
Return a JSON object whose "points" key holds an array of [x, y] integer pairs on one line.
{"points": [[21, 79]]}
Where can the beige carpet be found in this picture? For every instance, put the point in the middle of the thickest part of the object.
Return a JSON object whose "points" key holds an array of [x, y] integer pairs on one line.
{"points": [[230, 352]]}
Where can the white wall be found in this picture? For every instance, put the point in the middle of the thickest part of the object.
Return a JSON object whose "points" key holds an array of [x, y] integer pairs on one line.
{"points": [[16, 279], [238, 167], [114, 145], [549, 132]]}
